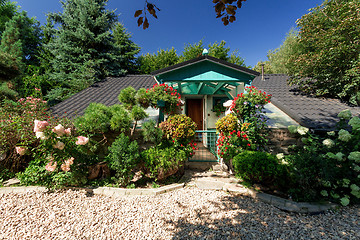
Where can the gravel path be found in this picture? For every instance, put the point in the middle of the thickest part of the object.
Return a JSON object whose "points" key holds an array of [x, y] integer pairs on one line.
{"points": [[188, 213]]}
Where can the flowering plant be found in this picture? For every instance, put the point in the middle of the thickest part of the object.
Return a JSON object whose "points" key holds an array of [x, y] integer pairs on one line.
{"points": [[58, 158], [328, 166], [165, 93], [16, 130], [248, 104], [219, 109]]}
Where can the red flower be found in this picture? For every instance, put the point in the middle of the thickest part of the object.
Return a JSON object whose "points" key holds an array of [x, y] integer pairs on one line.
{"points": [[249, 144]]}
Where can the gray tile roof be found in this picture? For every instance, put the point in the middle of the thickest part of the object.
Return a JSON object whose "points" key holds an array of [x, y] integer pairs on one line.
{"points": [[105, 92], [313, 112]]}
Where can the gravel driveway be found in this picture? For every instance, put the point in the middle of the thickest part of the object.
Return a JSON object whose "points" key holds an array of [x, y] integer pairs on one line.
{"points": [[188, 213]]}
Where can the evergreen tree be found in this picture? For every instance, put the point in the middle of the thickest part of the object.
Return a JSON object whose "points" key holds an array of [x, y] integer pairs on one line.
{"points": [[83, 48], [127, 48], [7, 11], [11, 52], [11, 65]]}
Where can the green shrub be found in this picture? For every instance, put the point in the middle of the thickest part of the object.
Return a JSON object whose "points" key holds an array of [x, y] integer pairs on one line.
{"points": [[152, 133], [259, 167], [122, 158], [328, 167], [96, 119], [127, 97], [120, 120], [160, 161]]}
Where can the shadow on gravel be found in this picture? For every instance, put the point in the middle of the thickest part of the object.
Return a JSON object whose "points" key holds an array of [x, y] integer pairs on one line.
{"points": [[239, 217]]}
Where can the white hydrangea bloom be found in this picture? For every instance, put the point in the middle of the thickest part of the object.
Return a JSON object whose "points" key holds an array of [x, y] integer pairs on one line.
{"points": [[280, 156], [302, 130], [328, 143]]}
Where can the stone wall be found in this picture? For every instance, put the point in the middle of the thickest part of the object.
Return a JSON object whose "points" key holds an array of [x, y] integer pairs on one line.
{"points": [[279, 139]]}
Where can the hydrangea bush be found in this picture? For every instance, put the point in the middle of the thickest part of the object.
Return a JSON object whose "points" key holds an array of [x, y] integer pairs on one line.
{"points": [[60, 159], [329, 166]]}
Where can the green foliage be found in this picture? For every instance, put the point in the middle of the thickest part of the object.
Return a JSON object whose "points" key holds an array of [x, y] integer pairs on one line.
{"points": [[120, 120], [328, 61], [158, 161], [96, 119], [138, 113], [217, 50], [84, 49], [151, 132], [259, 167], [11, 52], [328, 166], [5, 174], [99, 118], [166, 94], [6, 92], [179, 127], [127, 48], [122, 158], [127, 97], [152, 62], [16, 124], [280, 60]]}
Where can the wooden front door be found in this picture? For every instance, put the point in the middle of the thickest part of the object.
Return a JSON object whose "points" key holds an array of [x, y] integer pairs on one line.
{"points": [[194, 110]]}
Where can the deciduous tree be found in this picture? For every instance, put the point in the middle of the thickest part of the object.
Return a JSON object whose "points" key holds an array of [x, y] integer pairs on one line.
{"points": [[329, 41]]}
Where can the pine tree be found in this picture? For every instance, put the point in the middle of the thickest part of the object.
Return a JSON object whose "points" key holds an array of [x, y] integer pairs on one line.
{"points": [[127, 48], [11, 52], [83, 48]]}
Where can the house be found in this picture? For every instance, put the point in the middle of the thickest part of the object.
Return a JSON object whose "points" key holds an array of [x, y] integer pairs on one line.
{"points": [[309, 111], [203, 83], [206, 82]]}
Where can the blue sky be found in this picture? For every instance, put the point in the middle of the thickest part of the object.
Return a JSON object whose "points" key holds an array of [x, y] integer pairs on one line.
{"points": [[261, 25]]}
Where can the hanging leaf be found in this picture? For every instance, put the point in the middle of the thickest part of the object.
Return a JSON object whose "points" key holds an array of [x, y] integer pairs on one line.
{"points": [[138, 13], [232, 19], [140, 21], [145, 24]]}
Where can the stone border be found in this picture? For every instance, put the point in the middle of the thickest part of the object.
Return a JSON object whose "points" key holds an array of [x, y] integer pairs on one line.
{"points": [[282, 203], [278, 202], [107, 191]]}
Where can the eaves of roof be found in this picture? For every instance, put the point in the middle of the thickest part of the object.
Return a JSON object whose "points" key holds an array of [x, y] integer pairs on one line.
{"points": [[205, 58]]}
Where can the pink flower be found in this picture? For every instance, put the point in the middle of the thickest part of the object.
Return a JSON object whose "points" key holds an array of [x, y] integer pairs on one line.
{"points": [[59, 130], [68, 131], [21, 150], [59, 145], [66, 165], [39, 126], [51, 166], [70, 161], [82, 140]]}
